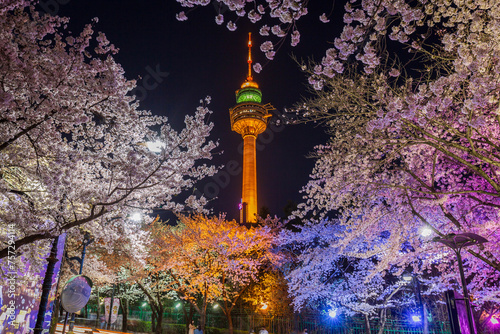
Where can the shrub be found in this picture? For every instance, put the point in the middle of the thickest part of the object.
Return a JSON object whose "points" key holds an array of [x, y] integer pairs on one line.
{"points": [[174, 329], [139, 326]]}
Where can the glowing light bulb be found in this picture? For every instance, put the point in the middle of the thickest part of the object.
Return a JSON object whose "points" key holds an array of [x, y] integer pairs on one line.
{"points": [[136, 216], [426, 231], [155, 146], [494, 321], [415, 318], [264, 306], [332, 313]]}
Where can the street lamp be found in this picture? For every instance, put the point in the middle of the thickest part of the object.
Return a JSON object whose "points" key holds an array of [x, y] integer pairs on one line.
{"points": [[408, 278], [136, 216], [426, 231], [456, 242], [155, 146], [87, 240], [141, 308]]}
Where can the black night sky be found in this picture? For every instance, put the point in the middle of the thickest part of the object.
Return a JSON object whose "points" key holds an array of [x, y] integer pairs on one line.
{"points": [[202, 59]]}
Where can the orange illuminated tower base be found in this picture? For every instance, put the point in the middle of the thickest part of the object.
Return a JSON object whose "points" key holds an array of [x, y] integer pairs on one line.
{"points": [[249, 119], [249, 191]]}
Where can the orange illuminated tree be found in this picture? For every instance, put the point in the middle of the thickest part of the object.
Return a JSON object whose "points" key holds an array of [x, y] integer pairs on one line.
{"points": [[270, 295], [210, 259]]}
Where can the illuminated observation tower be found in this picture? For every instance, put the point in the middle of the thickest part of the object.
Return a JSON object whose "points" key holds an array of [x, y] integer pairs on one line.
{"points": [[249, 118]]}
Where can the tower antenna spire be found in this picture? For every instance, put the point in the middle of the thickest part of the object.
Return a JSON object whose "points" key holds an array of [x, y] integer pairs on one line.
{"points": [[249, 77]]}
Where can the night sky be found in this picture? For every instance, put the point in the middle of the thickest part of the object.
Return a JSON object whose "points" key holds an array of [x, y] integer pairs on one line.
{"points": [[202, 58]]}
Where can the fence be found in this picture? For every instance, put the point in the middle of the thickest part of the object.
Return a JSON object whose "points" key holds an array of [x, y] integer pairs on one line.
{"points": [[296, 323], [315, 324]]}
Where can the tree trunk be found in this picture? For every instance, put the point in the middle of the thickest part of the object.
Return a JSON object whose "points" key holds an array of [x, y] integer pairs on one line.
{"points": [[367, 324], [383, 318], [230, 322], [98, 311], [156, 308], [159, 318], [203, 320], [188, 316], [425, 321], [203, 313], [153, 317], [124, 305]]}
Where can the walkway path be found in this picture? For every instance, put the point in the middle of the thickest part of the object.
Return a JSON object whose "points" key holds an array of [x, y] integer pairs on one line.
{"points": [[85, 330]]}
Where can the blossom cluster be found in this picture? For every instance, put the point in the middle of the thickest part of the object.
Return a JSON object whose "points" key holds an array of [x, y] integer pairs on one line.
{"points": [[73, 140]]}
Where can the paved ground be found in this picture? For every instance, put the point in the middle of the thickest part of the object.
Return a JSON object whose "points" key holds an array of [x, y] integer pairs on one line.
{"points": [[84, 330]]}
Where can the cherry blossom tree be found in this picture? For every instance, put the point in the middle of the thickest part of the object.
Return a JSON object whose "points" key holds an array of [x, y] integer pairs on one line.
{"points": [[413, 135], [321, 276], [119, 270], [73, 141], [155, 287], [212, 259], [270, 294]]}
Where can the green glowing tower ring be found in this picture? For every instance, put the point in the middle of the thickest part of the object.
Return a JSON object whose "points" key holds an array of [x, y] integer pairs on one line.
{"points": [[248, 94]]}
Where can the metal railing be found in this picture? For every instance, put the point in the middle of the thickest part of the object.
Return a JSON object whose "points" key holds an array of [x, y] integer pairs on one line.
{"points": [[296, 323]]}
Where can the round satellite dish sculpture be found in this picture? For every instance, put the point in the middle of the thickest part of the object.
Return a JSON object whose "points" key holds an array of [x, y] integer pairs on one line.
{"points": [[76, 293]]}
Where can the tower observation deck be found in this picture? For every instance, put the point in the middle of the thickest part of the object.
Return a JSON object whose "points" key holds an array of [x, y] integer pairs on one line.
{"points": [[249, 118]]}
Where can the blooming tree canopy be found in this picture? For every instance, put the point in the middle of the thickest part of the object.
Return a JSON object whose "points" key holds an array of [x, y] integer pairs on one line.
{"points": [[211, 259], [410, 94], [73, 141]]}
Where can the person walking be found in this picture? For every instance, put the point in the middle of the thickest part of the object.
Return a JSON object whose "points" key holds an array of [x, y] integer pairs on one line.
{"points": [[198, 330], [263, 331]]}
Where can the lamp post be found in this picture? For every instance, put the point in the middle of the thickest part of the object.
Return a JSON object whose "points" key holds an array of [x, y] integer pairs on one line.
{"points": [[457, 242], [87, 240], [408, 278]]}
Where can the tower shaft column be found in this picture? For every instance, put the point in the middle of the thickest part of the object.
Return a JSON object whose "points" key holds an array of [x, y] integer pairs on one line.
{"points": [[249, 194]]}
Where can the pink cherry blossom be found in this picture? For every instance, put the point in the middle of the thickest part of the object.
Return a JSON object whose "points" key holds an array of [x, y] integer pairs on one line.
{"points": [[181, 16], [231, 26], [257, 67], [219, 19]]}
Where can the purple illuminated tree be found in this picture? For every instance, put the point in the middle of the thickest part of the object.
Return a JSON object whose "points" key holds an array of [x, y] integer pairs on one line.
{"points": [[413, 135]]}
